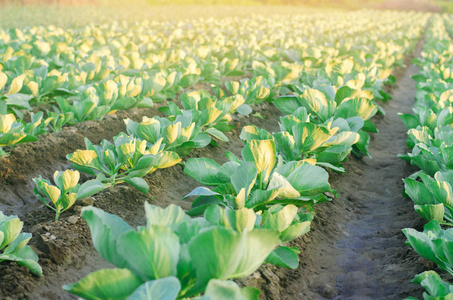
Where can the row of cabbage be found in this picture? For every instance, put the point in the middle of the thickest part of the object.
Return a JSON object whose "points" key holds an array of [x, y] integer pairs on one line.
{"points": [[430, 138], [51, 78], [256, 203]]}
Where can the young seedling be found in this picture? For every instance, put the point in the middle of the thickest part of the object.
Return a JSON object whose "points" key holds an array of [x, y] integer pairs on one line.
{"points": [[63, 195]]}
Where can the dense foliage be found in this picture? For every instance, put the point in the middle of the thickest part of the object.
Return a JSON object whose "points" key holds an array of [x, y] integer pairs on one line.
{"points": [[430, 138]]}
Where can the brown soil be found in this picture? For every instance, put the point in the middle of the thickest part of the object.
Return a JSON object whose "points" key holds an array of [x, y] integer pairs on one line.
{"points": [[354, 250], [47, 155]]}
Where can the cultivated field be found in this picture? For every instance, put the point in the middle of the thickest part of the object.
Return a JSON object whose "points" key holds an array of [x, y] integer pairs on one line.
{"points": [[225, 153]]}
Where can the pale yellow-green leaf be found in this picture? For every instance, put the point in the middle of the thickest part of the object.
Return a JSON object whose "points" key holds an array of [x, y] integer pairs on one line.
{"points": [[68, 200], [6, 122], [17, 84], [52, 192], [34, 87], [127, 148], [240, 199], [244, 219], [69, 179], [84, 157]]}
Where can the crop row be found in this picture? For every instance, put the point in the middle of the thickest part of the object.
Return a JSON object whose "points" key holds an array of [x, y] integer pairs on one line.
{"points": [[430, 139], [258, 202], [51, 78]]}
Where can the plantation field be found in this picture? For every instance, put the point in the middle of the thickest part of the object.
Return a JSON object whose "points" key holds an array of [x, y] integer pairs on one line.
{"points": [[230, 152]]}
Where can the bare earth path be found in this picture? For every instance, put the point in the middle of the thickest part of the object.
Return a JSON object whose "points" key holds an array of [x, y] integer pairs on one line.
{"points": [[356, 249], [371, 251]]}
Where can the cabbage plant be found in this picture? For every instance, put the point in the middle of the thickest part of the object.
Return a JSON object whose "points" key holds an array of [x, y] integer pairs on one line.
{"points": [[181, 135], [435, 287], [434, 244], [57, 121], [184, 130], [300, 139], [254, 90], [13, 244], [352, 106], [259, 180], [66, 191], [127, 159], [288, 220], [432, 196], [172, 255]]}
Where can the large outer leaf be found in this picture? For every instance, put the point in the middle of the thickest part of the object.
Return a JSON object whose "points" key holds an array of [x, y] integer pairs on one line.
{"points": [[18, 243], [284, 257], [309, 136], [261, 196], [287, 104], [294, 231], [334, 155], [89, 188], [363, 143], [418, 192], [259, 243], [144, 165], [10, 139], [217, 134], [244, 177], [356, 107], [203, 170], [343, 138], [431, 211], [106, 284], [138, 183], [422, 244], [410, 121], [216, 254], [105, 231], [316, 103], [86, 158], [31, 264], [309, 180], [151, 253], [447, 249]]}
